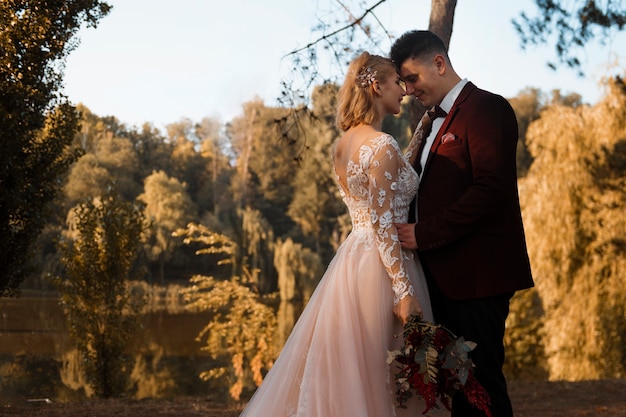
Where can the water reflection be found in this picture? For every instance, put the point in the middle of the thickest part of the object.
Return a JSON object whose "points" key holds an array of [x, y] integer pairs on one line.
{"points": [[70, 373], [39, 360]]}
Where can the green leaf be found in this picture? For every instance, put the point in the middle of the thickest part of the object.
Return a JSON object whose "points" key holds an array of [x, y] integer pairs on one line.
{"points": [[463, 374], [468, 346]]}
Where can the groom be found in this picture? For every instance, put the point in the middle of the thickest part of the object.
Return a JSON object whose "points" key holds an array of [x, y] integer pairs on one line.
{"points": [[468, 227]]}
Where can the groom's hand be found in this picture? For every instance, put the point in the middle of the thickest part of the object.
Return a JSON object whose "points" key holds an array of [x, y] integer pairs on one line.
{"points": [[406, 234]]}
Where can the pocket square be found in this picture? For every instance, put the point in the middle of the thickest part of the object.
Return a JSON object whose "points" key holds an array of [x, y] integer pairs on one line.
{"points": [[448, 137]]}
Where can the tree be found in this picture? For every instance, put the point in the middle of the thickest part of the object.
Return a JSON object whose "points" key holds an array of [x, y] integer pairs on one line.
{"points": [[37, 122], [256, 238], [169, 208], [94, 128], [240, 331], [242, 327], [343, 33], [118, 157], [99, 251], [574, 23], [265, 164], [241, 133], [524, 338], [188, 165], [212, 149], [573, 203], [527, 106], [316, 203], [299, 270], [109, 156], [86, 179], [153, 150]]}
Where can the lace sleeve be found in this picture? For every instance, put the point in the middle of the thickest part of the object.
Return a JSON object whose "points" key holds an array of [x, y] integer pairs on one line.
{"points": [[416, 141], [384, 169]]}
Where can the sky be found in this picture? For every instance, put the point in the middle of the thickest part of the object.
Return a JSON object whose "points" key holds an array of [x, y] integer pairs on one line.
{"points": [[160, 61]]}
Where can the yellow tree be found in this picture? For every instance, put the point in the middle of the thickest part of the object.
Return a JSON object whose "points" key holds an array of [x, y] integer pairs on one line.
{"points": [[99, 251], [316, 204], [240, 332], [188, 164], [299, 269], [86, 179], [217, 169], [169, 208], [573, 205], [118, 156]]}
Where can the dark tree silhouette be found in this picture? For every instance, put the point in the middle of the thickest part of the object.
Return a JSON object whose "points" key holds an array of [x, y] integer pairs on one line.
{"points": [[574, 24], [37, 123]]}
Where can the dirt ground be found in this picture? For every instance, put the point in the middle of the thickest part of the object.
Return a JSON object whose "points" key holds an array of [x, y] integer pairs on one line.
{"points": [[606, 398]]}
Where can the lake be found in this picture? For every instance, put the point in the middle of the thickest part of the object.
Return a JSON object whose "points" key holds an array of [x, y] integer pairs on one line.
{"points": [[38, 359]]}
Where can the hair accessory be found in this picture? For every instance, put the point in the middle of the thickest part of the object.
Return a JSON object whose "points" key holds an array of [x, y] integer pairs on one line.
{"points": [[365, 76]]}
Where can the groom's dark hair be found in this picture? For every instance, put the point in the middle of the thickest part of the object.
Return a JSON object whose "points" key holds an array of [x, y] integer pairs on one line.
{"points": [[419, 44]]}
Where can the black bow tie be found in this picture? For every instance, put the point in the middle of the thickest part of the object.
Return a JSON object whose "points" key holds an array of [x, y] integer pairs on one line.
{"points": [[436, 111]]}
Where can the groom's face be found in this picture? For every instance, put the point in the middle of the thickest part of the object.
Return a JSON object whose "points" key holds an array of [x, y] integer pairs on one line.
{"points": [[422, 79]]}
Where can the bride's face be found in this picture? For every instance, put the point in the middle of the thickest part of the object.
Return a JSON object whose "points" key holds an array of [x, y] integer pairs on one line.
{"points": [[391, 94]]}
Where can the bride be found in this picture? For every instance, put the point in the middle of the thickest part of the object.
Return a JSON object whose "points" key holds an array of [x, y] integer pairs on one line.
{"points": [[334, 362]]}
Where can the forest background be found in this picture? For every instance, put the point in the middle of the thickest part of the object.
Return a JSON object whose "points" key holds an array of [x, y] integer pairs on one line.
{"points": [[249, 212]]}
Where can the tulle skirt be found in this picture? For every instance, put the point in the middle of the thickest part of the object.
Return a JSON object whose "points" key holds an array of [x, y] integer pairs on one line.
{"points": [[334, 362]]}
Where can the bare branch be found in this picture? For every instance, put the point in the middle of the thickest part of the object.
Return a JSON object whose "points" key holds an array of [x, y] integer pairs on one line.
{"points": [[341, 29]]}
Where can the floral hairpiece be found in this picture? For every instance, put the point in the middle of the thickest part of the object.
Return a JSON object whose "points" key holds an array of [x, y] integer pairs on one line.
{"points": [[365, 76]]}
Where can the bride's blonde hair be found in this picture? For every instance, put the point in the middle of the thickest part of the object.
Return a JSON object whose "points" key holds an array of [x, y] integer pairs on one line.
{"points": [[356, 95]]}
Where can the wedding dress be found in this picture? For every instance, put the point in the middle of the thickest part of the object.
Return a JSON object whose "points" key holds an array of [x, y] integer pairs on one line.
{"points": [[334, 363]]}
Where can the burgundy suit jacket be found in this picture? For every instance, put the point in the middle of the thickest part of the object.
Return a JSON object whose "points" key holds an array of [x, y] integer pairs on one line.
{"points": [[469, 233]]}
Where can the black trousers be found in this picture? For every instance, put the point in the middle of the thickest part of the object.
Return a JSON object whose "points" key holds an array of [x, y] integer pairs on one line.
{"points": [[481, 321]]}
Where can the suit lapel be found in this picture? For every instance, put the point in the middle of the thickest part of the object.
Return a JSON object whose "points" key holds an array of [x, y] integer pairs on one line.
{"points": [[458, 104]]}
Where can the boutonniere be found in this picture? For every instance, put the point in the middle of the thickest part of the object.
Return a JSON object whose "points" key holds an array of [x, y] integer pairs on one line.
{"points": [[448, 137]]}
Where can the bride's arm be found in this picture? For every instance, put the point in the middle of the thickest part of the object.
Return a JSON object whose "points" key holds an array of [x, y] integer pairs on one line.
{"points": [[383, 169]]}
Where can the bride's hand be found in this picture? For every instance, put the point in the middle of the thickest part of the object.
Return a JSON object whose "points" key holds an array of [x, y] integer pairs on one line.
{"points": [[407, 307]]}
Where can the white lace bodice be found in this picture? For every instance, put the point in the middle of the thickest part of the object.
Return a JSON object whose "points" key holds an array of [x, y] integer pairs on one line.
{"points": [[379, 187]]}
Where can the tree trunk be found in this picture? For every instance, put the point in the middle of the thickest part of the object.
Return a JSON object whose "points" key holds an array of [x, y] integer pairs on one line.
{"points": [[442, 19], [247, 151], [162, 268]]}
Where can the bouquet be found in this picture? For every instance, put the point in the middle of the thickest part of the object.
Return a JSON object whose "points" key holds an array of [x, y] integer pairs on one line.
{"points": [[434, 364]]}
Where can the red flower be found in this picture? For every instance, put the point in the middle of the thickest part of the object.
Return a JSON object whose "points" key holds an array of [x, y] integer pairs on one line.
{"points": [[433, 364]]}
